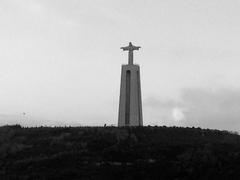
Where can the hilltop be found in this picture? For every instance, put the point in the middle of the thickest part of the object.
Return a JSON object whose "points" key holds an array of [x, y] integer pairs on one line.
{"points": [[118, 153]]}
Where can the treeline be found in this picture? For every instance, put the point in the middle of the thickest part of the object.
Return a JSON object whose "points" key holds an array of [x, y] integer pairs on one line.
{"points": [[118, 153]]}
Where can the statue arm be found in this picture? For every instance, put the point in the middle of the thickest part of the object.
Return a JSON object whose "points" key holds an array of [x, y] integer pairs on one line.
{"points": [[137, 47], [124, 48]]}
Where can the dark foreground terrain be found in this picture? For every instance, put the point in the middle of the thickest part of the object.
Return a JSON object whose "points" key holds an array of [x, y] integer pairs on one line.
{"points": [[118, 153]]}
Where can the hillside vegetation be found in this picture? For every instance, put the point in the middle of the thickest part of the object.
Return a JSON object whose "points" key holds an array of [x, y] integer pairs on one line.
{"points": [[118, 153]]}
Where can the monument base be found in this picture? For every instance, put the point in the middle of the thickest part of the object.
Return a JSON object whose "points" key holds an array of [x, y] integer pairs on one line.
{"points": [[130, 105]]}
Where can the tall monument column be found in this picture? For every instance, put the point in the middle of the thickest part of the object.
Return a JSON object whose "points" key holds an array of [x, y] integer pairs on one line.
{"points": [[130, 104]]}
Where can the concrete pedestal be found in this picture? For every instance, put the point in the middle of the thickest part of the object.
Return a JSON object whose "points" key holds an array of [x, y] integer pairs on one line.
{"points": [[130, 104]]}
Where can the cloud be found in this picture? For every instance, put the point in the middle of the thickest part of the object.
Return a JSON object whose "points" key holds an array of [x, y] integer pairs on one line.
{"points": [[198, 107], [33, 7], [213, 108]]}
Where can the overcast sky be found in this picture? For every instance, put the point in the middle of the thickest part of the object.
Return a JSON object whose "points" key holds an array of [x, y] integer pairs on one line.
{"points": [[60, 61]]}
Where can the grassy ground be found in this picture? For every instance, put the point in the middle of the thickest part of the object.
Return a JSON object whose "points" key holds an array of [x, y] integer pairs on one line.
{"points": [[118, 153]]}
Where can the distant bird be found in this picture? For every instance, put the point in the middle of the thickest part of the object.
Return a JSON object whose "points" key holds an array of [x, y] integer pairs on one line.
{"points": [[24, 113]]}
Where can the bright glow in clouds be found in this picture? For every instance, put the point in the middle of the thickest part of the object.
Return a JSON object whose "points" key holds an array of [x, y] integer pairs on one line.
{"points": [[178, 114]]}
